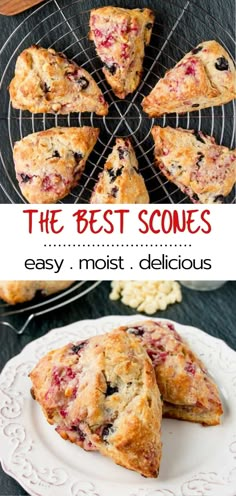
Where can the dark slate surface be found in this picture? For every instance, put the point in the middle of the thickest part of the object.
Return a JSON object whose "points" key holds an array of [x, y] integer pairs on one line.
{"points": [[214, 312], [184, 23]]}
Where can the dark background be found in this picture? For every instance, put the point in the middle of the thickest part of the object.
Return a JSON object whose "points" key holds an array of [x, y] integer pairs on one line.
{"points": [[180, 26], [213, 311]]}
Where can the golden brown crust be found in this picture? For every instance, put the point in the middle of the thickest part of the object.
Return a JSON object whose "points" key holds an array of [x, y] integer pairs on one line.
{"points": [[120, 182], [102, 394], [181, 377], [49, 163], [46, 81], [14, 292], [120, 36], [195, 163], [205, 77]]}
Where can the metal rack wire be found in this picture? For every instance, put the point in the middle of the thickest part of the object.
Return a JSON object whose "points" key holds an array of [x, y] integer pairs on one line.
{"points": [[41, 305], [65, 28]]}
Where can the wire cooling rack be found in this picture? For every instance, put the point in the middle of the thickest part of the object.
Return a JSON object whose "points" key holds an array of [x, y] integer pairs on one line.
{"points": [[180, 26], [18, 317]]}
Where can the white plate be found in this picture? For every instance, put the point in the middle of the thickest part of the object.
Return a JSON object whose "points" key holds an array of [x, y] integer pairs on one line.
{"points": [[196, 461]]}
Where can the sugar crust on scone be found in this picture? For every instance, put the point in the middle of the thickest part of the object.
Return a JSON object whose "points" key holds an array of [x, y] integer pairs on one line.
{"points": [[121, 181], [49, 163], [102, 394], [203, 170], [203, 78], [46, 81], [120, 36]]}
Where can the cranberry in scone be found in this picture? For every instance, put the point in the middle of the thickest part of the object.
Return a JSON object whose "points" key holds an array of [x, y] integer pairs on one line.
{"points": [[120, 36]]}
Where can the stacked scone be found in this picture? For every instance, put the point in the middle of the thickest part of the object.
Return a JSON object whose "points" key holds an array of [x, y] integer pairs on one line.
{"points": [[109, 393]]}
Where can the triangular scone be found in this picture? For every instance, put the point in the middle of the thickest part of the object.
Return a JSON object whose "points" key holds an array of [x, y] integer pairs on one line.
{"points": [[120, 36], [205, 77], [121, 181], [203, 170], [46, 81], [187, 390], [102, 394], [14, 292], [49, 163]]}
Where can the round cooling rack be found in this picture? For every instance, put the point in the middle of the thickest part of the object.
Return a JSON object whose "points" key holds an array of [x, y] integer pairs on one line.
{"points": [[179, 27], [40, 305]]}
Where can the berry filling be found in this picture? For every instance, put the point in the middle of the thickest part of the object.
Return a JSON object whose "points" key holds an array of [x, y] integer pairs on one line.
{"points": [[122, 152], [25, 178], [190, 368], [222, 64], [111, 68], [45, 87], [200, 157], [199, 136], [137, 331], [56, 154], [78, 156], [114, 191], [196, 50], [114, 174], [190, 68], [106, 432], [111, 389], [76, 348]]}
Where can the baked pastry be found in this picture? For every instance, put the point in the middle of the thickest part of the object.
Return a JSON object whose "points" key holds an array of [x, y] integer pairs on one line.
{"points": [[205, 77], [203, 170], [187, 390], [121, 181], [46, 81], [14, 292], [49, 163], [102, 394], [120, 36]]}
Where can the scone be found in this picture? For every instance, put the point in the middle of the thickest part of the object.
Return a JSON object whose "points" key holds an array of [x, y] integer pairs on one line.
{"points": [[121, 181], [187, 390], [49, 163], [14, 292], [203, 170], [120, 36], [102, 394], [46, 81], [205, 77]]}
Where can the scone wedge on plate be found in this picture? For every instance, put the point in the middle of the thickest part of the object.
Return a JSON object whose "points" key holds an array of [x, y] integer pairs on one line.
{"points": [[121, 181], [187, 390], [49, 163], [14, 292], [120, 36], [102, 395], [203, 170], [46, 81], [205, 77]]}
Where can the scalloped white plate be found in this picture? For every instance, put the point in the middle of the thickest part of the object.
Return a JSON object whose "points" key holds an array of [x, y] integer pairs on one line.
{"points": [[196, 461]]}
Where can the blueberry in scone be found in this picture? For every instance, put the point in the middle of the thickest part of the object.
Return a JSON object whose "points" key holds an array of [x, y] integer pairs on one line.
{"points": [[46, 81], [120, 36], [49, 163], [188, 392], [205, 77], [102, 395], [203, 170], [121, 181]]}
